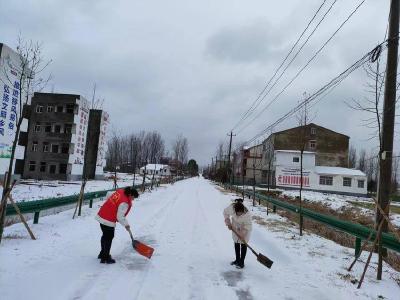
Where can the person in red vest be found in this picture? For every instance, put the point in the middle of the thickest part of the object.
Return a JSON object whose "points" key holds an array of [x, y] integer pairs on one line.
{"points": [[116, 208]]}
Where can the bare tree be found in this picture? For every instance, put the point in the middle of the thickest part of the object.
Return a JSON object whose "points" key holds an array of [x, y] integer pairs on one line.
{"points": [[180, 151], [362, 160], [372, 105], [29, 80], [352, 157]]}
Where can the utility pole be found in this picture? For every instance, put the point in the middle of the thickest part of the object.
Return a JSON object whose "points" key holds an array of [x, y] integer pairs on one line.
{"points": [[216, 160], [229, 158], [211, 168], [389, 105]]}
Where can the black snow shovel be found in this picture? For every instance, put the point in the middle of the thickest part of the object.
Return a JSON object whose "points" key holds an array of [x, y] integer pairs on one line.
{"points": [[260, 257], [141, 248]]}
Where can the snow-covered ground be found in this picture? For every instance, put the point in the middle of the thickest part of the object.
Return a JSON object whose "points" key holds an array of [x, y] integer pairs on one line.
{"points": [[36, 190], [335, 201], [193, 248]]}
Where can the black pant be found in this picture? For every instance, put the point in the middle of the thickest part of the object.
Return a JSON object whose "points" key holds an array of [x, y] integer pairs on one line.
{"points": [[240, 251], [106, 240]]}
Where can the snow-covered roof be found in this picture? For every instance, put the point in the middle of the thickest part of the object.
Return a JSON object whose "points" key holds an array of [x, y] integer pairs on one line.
{"points": [[156, 167], [295, 151], [338, 171]]}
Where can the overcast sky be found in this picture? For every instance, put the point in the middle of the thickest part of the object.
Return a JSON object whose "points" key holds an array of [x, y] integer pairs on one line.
{"points": [[194, 67]]}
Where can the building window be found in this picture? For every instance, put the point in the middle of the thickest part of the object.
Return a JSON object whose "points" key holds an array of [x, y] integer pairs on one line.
{"points": [[39, 109], [52, 169], [65, 148], [50, 108], [325, 180], [43, 167], [57, 128], [70, 108], [313, 131], [45, 147], [63, 169], [54, 148], [47, 127], [32, 166], [346, 181], [68, 128], [313, 145], [60, 108], [361, 184], [34, 146], [37, 127], [296, 159]]}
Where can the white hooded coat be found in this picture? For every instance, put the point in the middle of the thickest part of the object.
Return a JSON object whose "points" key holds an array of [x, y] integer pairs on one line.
{"points": [[241, 224]]}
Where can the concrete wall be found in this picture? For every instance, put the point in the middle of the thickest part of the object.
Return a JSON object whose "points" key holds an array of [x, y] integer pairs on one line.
{"points": [[286, 159]]}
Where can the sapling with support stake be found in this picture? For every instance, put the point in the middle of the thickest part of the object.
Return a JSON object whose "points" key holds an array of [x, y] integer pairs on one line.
{"points": [[20, 215], [81, 196]]}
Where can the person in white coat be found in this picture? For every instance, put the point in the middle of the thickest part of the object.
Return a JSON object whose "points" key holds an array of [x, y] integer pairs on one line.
{"points": [[238, 217]]}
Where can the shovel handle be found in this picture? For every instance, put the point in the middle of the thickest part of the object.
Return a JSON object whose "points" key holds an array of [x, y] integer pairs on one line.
{"points": [[130, 233]]}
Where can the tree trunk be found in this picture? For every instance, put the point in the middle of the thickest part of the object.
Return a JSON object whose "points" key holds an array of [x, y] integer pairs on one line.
{"points": [[7, 180]]}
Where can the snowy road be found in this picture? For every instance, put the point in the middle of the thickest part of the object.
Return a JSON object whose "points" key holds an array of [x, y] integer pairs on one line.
{"points": [[184, 223]]}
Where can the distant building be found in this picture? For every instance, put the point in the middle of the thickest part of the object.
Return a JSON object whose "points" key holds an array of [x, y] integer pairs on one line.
{"points": [[95, 159], [10, 65], [286, 166], [252, 164], [331, 148], [60, 135], [156, 169]]}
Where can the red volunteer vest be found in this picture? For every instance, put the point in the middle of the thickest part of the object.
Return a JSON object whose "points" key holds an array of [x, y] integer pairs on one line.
{"points": [[109, 209]]}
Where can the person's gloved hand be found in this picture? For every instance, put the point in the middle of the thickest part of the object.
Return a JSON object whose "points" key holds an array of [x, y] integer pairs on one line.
{"points": [[230, 227]]}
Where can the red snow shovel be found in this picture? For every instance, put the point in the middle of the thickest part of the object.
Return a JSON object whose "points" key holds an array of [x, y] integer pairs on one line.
{"points": [[260, 257], [141, 248]]}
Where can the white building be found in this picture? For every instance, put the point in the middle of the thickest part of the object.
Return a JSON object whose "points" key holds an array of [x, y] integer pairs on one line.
{"points": [[318, 178], [156, 169]]}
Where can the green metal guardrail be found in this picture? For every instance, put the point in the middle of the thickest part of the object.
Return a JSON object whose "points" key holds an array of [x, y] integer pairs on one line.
{"points": [[36, 206], [359, 231]]}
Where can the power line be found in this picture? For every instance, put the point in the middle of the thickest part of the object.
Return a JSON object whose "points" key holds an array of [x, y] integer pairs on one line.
{"points": [[304, 67], [246, 114], [294, 57], [323, 91]]}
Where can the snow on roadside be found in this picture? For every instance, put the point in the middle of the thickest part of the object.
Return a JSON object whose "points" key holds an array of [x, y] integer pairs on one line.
{"points": [[336, 201], [37, 190]]}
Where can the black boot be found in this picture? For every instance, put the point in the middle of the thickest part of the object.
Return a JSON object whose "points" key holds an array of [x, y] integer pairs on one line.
{"points": [[237, 254], [243, 251], [108, 260]]}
